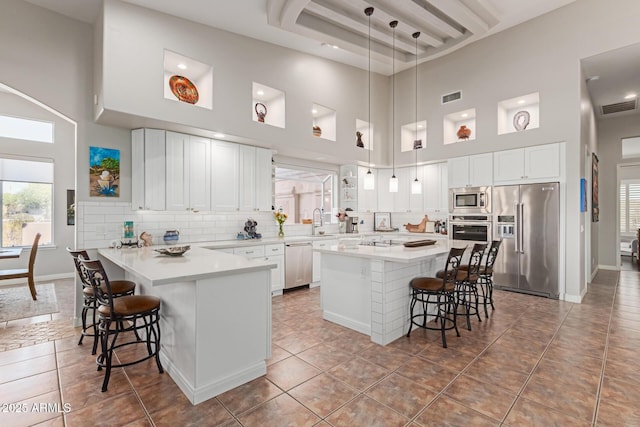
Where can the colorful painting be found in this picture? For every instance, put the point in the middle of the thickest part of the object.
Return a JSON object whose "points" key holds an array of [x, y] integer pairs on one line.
{"points": [[104, 172], [595, 208]]}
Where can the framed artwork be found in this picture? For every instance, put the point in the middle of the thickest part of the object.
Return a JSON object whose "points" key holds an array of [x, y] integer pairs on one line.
{"points": [[104, 172], [595, 209], [583, 195], [382, 221]]}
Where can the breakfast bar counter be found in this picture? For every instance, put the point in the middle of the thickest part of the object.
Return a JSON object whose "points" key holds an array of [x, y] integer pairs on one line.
{"points": [[366, 287], [215, 316]]}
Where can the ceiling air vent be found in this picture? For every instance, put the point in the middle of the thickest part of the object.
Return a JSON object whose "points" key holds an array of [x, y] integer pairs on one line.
{"points": [[450, 97], [619, 107]]}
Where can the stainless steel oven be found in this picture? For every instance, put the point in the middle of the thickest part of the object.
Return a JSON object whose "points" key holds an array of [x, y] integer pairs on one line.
{"points": [[470, 227], [470, 200]]}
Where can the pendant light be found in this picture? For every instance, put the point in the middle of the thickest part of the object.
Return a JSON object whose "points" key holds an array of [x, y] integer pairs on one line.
{"points": [[369, 180], [393, 181], [416, 187]]}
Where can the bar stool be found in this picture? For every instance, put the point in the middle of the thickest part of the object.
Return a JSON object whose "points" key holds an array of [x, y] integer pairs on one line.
{"points": [[442, 290], [466, 283], [128, 313], [486, 276], [118, 288]]}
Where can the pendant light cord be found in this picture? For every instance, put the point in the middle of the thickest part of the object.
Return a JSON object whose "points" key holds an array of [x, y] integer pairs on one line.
{"points": [[415, 36], [393, 25], [369, 11]]}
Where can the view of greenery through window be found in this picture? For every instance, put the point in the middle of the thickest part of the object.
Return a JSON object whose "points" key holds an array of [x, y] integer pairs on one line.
{"points": [[26, 210]]}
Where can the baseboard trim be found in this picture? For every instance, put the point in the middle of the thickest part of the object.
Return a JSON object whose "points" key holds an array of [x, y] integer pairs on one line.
{"points": [[38, 279]]}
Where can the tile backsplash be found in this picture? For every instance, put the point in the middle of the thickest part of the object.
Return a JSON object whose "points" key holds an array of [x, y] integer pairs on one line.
{"points": [[99, 224]]}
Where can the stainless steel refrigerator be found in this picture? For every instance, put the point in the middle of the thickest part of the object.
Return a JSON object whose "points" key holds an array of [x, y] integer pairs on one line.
{"points": [[527, 219]]}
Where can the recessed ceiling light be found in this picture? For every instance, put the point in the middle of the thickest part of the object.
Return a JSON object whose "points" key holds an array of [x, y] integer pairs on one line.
{"points": [[218, 135], [182, 66], [521, 101], [419, 126], [333, 46], [630, 96], [314, 111], [260, 92], [465, 115]]}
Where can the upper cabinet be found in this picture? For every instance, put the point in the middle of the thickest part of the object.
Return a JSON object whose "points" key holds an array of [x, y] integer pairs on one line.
{"points": [[527, 164], [148, 173], [471, 171], [255, 179], [367, 199], [435, 188], [188, 178], [225, 163]]}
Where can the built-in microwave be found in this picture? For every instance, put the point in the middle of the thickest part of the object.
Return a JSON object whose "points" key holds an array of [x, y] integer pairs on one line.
{"points": [[470, 200]]}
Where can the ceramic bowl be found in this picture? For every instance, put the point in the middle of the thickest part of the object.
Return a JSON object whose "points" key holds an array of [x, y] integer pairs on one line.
{"points": [[174, 250]]}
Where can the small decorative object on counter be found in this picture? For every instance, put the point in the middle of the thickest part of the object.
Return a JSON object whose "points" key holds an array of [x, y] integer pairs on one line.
{"points": [[419, 228], [464, 132], [250, 229], [281, 217], [443, 227], [261, 111], [146, 238], [342, 220], [317, 131], [521, 120], [127, 230], [359, 142], [171, 237]]}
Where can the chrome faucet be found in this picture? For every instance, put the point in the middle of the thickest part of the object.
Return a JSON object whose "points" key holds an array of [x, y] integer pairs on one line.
{"points": [[313, 221]]}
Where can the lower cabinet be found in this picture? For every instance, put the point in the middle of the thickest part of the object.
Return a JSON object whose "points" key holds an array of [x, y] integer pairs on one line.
{"points": [[317, 259], [273, 253]]}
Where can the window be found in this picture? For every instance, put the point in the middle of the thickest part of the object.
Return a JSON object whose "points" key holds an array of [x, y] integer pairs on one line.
{"points": [[629, 207], [27, 129], [26, 192], [299, 191]]}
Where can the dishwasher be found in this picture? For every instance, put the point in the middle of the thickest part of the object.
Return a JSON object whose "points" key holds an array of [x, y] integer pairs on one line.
{"points": [[298, 264]]}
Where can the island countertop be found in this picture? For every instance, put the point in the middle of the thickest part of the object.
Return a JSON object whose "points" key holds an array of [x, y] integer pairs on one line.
{"points": [[197, 263], [398, 253]]}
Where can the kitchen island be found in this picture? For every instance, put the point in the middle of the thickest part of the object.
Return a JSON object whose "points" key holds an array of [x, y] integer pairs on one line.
{"points": [[215, 316], [366, 287]]}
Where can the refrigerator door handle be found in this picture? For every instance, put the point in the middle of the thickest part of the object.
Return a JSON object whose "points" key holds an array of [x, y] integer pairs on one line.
{"points": [[517, 224], [521, 228]]}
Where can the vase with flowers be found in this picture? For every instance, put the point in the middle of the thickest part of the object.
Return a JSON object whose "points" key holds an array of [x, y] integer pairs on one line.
{"points": [[342, 220], [281, 217]]}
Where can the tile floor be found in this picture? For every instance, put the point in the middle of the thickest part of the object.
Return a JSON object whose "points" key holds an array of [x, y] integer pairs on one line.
{"points": [[534, 362]]}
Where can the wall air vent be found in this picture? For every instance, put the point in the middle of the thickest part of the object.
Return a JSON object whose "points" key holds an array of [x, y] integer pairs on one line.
{"points": [[450, 97], [619, 107]]}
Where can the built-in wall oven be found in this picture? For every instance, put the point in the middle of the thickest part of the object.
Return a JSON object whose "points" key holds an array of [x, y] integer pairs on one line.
{"points": [[470, 200], [470, 227]]}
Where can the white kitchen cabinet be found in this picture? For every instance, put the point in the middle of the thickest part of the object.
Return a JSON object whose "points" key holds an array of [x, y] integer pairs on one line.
{"points": [[470, 171], [402, 199], [255, 179], [527, 164], [274, 253], [225, 174], [386, 199], [188, 171], [394, 202], [148, 172], [367, 199], [436, 189], [317, 258]]}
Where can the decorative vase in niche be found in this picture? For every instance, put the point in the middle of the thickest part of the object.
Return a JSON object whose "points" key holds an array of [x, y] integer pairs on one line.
{"points": [[280, 231], [521, 120], [171, 237], [261, 111], [464, 132], [359, 142], [317, 131]]}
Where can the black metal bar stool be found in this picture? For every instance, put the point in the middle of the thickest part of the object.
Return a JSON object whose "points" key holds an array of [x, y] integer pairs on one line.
{"points": [[120, 315], [467, 283], [119, 288], [486, 276], [438, 291]]}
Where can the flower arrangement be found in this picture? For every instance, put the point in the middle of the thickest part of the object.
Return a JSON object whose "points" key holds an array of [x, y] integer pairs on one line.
{"points": [[342, 216], [281, 217]]}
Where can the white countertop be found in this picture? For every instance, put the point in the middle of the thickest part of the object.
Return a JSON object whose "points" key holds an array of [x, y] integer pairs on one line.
{"points": [[197, 263], [396, 253]]}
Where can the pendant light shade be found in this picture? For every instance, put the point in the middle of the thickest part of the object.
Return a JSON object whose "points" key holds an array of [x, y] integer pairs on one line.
{"points": [[369, 179], [416, 186], [393, 181]]}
